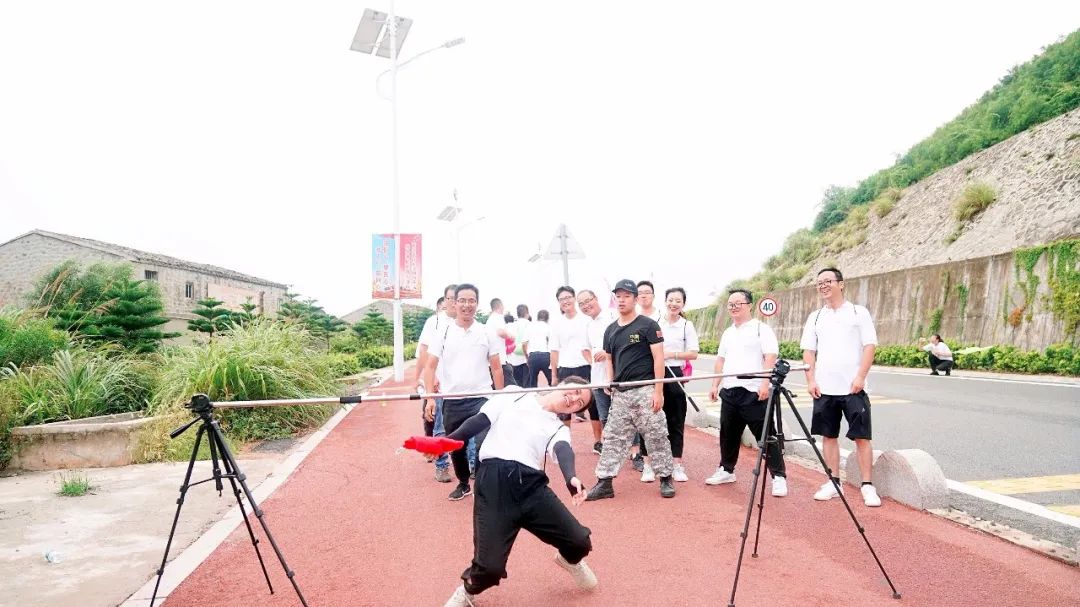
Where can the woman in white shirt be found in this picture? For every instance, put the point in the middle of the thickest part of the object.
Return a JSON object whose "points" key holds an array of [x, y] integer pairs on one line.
{"points": [[539, 352], [680, 346]]}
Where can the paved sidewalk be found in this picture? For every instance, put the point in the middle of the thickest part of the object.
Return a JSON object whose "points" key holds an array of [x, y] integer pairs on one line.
{"points": [[362, 524]]}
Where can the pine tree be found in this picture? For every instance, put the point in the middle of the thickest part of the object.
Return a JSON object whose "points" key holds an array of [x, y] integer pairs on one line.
{"points": [[246, 314], [131, 317], [212, 317], [374, 329]]}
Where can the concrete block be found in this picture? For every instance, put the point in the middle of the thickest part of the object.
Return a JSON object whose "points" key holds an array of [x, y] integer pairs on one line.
{"points": [[853, 474], [93, 442], [912, 477]]}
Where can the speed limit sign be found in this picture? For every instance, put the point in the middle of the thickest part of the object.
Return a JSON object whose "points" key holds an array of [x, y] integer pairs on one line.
{"points": [[768, 306]]}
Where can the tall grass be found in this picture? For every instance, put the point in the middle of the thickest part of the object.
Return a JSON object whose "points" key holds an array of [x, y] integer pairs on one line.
{"points": [[974, 200], [262, 360]]}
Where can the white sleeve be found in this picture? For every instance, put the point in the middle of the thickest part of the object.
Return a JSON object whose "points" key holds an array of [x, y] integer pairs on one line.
{"points": [[494, 407], [496, 344], [426, 332], [721, 351], [809, 334], [435, 348], [769, 344], [867, 333], [553, 336], [928, 347], [692, 343]]}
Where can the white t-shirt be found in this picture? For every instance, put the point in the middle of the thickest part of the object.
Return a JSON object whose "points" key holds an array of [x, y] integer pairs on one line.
{"points": [[595, 343], [743, 349], [941, 350], [521, 430], [494, 323], [538, 335], [464, 357], [680, 336], [838, 336], [520, 331], [433, 324], [656, 314], [568, 337]]}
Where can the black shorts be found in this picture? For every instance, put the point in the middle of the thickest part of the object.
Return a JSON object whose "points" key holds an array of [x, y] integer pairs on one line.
{"points": [[828, 409], [586, 374]]}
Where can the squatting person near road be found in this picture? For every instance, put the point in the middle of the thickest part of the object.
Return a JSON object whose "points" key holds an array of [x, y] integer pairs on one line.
{"points": [[635, 347], [838, 348]]}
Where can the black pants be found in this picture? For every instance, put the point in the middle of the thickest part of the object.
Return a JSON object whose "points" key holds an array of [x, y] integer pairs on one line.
{"points": [[936, 364], [510, 497], [455, 412], [740, 408], [521, 375], [675, 410], [539, 362]]}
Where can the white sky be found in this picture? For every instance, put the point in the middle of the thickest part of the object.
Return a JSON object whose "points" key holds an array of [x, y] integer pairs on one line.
{"points": [[678, 140]]}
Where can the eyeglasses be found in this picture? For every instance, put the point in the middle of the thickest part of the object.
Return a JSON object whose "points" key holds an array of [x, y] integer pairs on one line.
{"points": [[643, 292], [466, 302], [735, 306], [566, 298], [585, 302], [825, 283]]}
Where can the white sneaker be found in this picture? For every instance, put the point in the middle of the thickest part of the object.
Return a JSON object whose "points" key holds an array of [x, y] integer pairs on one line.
{"points": [[779, 486], [720, 477], [583, 576], [679, 474], [460, 598], [870, 496], [647, 474], [827, 492]]}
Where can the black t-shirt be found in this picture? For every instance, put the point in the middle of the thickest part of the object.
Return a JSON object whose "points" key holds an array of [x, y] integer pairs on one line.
{"points": [[630, 348]]}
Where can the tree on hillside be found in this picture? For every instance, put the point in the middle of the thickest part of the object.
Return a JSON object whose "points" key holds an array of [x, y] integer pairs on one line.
{"points": [[131, 317], [413, 322], [374, 329], [213, 318], [326, 326]]}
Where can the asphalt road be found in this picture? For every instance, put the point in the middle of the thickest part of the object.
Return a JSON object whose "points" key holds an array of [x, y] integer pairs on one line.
{"points": [[1014, 438]]}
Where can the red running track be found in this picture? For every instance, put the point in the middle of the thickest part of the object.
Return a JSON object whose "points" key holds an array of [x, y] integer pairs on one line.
{"points": [[363, 525]]}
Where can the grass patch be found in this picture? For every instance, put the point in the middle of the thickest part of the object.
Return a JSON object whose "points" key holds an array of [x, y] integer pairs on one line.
{"points": [[975, 199], [951, 238], [884, 204], [74, 484]]}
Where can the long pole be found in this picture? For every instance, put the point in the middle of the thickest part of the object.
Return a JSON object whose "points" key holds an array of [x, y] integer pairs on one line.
{"points": [[399, 337]]}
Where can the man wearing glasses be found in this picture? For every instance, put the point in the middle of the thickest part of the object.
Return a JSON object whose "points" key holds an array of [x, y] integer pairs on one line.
{"points": [[746, 346], [568, 336], [599, 321], [838, 347], [467, 355]]}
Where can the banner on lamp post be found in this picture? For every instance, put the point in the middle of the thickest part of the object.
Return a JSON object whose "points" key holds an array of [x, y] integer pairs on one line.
{"points": [[383, 272]]}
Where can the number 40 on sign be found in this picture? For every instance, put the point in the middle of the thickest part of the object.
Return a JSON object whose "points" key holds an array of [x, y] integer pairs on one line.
{"points": [[768, 306]]}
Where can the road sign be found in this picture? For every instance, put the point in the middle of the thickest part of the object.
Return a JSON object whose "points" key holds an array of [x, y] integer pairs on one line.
{"points": [[768, 306], [563, 244]]}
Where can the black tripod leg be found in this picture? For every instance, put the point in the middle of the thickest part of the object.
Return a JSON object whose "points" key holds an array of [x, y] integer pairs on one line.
{"points": [[767, 439], [750, 504], [231, 473], [179, 504], [839, 490], [215, 464], [227, 455]]}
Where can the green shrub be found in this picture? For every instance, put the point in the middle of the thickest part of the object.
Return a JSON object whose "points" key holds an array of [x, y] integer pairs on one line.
{"points": [[262, 360], [975, 199], [708, 346], [900, 356], [790, 350], [27, 341], [343, 364]]}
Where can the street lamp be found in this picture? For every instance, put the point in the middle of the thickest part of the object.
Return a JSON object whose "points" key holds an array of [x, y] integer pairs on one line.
{"points": [[383, 34], [449, 215]]}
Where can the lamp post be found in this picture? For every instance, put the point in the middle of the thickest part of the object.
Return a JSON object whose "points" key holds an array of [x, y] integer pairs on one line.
{"points": [[383, 34], [449, 215]]}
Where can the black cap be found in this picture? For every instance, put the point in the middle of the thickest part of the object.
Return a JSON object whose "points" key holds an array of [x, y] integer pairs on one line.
{"points": [[625, 285]]}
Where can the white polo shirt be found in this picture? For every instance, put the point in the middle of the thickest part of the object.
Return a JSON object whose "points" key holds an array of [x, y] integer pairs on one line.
{"points": [[520, 331], [941, 350], [494, 323], [521, 430], [594, 342], [463, 357], [743, 349], [434, 323], [838, 336], [679, 336], [568, 337], [538, 335]]}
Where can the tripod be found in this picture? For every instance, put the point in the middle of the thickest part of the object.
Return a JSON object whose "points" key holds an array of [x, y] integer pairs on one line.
{"points": [[201, 405], [769, 436]]}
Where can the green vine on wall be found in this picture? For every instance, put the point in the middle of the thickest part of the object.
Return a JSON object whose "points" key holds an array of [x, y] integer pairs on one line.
{"points": [[962, 292], [935, 320], [1063, 280]]}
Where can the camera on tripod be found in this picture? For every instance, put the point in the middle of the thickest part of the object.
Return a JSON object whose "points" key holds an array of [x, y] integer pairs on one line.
{"points": [[781, 369]]}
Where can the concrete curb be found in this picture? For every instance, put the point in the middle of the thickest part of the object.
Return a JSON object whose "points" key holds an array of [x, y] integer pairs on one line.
{"points": [[184, 563]]}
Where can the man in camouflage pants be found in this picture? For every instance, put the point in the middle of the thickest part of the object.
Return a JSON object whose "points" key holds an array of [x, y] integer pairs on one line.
{"points": [[636, 352]]}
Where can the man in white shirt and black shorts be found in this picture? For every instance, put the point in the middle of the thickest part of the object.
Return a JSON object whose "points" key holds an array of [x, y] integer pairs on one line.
{"points": [[748, 345], [838, 344], [512, 491], [467, 355], [599, 320]]}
